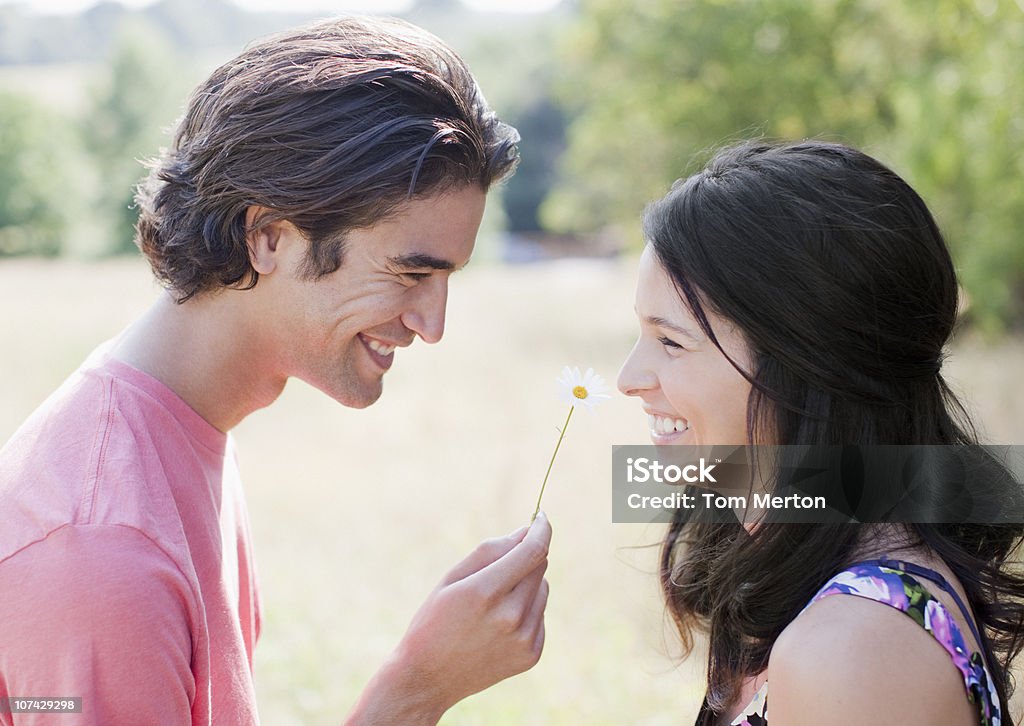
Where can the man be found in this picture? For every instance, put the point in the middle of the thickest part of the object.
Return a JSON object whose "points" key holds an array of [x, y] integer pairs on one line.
{"points": [[320, 190]]}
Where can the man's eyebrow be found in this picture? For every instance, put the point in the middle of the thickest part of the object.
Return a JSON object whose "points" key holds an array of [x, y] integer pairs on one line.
{"points": [[420, 261], [663, 323]]}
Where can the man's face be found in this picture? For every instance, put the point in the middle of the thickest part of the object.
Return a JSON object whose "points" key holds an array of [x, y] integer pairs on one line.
{"points": [[339, 332]]}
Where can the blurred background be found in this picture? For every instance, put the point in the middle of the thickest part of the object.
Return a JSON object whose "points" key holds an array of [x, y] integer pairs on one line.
{"points": [[357, 514]]}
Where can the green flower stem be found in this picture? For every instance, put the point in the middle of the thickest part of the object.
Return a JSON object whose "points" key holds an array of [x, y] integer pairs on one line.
{"points": [[561, 435]]}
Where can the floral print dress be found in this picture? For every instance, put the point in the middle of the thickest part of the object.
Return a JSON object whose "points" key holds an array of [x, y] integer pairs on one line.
{"points": [[891, 582]]}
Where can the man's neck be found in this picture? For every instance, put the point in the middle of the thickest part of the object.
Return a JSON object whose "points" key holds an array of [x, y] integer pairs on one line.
{"points": [[207, 353]]}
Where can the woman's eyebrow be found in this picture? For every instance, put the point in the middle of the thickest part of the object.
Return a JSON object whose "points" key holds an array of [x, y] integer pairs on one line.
{"points": [[663, 323]]}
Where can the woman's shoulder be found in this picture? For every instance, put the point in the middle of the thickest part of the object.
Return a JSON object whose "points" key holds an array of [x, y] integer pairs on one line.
{"points": [[861, 659]]}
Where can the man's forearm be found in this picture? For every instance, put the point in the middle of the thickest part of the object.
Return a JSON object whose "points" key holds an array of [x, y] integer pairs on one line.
{"points": [[394, 695]]}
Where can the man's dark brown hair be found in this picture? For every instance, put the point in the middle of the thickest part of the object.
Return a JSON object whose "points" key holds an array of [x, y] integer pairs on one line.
{"points": [[332, 127]]}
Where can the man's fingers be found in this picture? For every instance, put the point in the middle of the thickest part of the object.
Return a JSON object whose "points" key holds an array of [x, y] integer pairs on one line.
{"points": [[535, 622], [538, 643], [503, 575], [520, 599], [525, 621], [485, 553], [537, 605]]}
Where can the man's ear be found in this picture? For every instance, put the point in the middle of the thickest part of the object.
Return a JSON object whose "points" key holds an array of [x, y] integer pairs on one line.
{"points": [[264, 242]]}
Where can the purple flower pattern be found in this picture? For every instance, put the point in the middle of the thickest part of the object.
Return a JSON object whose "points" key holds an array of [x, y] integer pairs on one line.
{"points": [[903, 592], [756, 712]]}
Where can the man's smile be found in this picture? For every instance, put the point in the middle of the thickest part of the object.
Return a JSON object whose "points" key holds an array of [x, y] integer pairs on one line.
{"points": [[383, 354]]}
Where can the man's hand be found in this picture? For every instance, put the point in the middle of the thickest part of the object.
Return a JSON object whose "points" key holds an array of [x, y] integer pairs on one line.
{"points": [[483, 623]]}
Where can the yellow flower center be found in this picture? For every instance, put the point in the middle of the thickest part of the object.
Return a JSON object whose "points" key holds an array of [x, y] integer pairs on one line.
{"points": [[579, 392]]}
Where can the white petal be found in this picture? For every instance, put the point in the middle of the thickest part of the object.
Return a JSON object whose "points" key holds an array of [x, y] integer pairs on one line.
{"points": [[593, 383]]}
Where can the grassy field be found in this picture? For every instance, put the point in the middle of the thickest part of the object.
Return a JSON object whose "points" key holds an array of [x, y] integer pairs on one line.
{"points": [[356, 514]]}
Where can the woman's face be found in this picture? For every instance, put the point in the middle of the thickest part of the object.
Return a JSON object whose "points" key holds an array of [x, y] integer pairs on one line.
{"points": [[692, 394]]}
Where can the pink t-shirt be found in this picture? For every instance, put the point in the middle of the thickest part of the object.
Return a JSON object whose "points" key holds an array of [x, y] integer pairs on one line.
{"points": [[126, 570]]}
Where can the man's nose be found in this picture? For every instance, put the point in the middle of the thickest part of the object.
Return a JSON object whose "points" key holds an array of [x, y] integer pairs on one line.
{"points": [[426, 317]]}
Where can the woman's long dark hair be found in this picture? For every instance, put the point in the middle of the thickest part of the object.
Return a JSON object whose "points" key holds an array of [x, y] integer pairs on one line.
{"points": [[838, 276]]}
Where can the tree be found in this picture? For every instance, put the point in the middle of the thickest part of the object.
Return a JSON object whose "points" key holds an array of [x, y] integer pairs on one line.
{"points": [[542, 126], [524, 98], [33, 185], [958, 100], [126, 123], [936, 90]]}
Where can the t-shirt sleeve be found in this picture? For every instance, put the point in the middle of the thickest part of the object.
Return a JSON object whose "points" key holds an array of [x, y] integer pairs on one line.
{"points": [[102, 613]]}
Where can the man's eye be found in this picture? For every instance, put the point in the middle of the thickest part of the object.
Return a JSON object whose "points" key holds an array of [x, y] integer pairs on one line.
{"points": [[417, 276], [670, 343]]}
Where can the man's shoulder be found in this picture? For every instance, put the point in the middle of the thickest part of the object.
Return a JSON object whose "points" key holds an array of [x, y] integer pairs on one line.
{"points": [[45, 464], [74, 406], [87, 455]]}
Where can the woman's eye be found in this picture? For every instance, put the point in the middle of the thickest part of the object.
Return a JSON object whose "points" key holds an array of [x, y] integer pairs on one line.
{"points": [[670, 343], [416, 276]]}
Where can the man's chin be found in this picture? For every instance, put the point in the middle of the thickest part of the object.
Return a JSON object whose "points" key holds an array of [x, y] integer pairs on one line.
{"points": [[358, 403], [358, 399], [361, 397]]}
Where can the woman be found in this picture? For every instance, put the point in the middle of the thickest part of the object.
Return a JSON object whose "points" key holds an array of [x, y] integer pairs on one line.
{"points": [[802, 294]]}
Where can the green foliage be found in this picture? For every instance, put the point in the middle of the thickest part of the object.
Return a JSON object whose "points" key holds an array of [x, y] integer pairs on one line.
{"points": [[527, 100], [33, 143], [959, 133], [127, 121], [67, 177], [542, 126], [934, 89]]}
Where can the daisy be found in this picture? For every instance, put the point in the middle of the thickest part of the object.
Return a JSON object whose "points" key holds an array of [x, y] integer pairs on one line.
{"points": [[588, 390]]}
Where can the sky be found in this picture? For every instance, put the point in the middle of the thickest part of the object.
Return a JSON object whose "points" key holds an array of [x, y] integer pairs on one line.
{"points": [[326, 6]]}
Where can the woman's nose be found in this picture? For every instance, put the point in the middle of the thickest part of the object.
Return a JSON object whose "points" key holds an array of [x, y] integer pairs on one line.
{"points": [[634, 376]]}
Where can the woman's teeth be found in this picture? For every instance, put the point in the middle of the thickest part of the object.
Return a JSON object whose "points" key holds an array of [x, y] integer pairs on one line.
{"points": [[380, 348], [662, 425]]}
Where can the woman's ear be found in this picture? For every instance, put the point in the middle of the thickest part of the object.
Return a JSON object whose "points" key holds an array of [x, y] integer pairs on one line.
{"points": [[264, 240]]}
